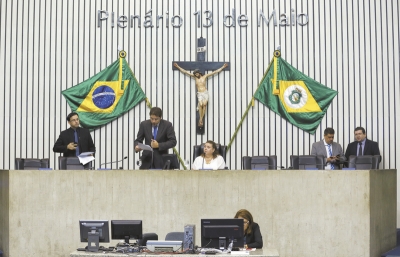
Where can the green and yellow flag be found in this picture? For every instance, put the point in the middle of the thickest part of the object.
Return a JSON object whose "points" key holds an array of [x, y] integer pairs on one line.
{"points": [[294, 96], [105, 96]]}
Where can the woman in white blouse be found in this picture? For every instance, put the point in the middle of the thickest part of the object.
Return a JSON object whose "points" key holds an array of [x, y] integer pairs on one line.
{"points": [[210, 159]]}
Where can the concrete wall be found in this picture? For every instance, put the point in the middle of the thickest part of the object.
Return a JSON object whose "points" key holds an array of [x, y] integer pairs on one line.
{"points": [[49, 46], [301, 213]]}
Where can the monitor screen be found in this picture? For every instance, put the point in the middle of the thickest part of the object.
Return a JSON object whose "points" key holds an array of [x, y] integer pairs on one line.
{"points": [[100, 226], [126, 229], [218, 233]]}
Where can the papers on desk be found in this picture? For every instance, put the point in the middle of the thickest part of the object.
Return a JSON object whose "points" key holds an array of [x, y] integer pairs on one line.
{"points": [[145, 147], [86, 157], [240, 252]]}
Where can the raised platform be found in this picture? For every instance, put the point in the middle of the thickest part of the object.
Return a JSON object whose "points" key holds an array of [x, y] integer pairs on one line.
{"points": [[301, 213]]}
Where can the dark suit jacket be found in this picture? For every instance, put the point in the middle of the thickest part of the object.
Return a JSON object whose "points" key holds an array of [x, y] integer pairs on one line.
{"points": [[165, 137], [254, 239], [370, 148], [85, 142]]}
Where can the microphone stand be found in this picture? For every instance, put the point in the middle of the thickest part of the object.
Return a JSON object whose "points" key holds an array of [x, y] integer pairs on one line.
{"points": [[114, 161]]}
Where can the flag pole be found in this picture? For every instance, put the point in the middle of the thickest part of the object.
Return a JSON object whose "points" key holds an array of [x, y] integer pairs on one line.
{"points": [[248, 108]]}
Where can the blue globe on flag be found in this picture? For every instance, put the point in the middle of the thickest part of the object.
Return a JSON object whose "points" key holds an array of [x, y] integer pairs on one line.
{"points": [[103, 97]]}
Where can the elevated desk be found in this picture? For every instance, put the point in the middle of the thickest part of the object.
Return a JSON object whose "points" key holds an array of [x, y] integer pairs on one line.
{"points": [[256, 253], [300, 212]]}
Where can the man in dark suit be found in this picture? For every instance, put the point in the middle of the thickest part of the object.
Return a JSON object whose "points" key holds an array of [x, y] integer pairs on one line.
{"points": [[362, 145], [75, 140], [330, 150], [157, 133]]}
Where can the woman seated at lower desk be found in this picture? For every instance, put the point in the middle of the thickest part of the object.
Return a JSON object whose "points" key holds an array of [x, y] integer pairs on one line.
{"points": [[209, 159], [252, 232]]}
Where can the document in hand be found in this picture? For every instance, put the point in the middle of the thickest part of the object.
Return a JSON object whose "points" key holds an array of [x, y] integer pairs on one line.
{"points": [[145, 147], [86, 157]]}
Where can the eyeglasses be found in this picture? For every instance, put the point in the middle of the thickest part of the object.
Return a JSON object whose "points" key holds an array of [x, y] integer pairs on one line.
{"points": [[245, 222]]}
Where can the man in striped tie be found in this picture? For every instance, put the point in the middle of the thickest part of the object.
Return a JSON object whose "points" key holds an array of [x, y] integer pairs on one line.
{"points": [[332, 151]]}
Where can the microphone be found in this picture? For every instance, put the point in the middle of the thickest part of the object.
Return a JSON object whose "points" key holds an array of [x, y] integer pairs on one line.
{"points": [[126, 157]]}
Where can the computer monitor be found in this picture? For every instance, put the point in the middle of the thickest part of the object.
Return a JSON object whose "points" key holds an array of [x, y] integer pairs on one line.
{"points": [[126, 229], [218, 233], [93, 232]]}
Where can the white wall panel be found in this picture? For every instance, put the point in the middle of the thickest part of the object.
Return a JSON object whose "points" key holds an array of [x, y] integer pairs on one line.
{"points": [[49, 46]]}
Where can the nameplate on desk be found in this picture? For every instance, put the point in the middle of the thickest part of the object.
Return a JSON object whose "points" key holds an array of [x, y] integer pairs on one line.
{"points": [[240, 252]]}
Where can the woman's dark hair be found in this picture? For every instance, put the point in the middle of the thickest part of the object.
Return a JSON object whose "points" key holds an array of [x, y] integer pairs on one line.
{"points": [[214, 146], [245, 214]]}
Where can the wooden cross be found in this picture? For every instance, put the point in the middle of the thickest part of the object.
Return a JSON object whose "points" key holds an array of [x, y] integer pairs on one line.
{"points": [[202, 66]]}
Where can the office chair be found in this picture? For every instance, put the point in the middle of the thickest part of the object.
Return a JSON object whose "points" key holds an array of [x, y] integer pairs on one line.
{"points": [[259, 162], [31, 163], [146, 237], [304, 162], [199, 149], [175, 236], [72, 163], [170, 161], [364, 162]]}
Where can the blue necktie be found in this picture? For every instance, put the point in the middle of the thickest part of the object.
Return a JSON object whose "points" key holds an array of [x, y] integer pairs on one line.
{"points": [[330, 153], [360, 150], [155, 132], [76, 141]]}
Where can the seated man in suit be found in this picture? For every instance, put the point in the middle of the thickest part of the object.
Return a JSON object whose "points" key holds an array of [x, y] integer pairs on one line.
{"points": [[157, 133], [75, 140], [362, 145], [330, 150]]}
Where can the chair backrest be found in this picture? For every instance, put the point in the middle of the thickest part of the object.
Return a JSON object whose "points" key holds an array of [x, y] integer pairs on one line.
{"points": [[31, 163], [259, 162], [199, 149], [364, 162], [304, 162], [175, 236], [170, 161], [146, 237], [72, 163]]}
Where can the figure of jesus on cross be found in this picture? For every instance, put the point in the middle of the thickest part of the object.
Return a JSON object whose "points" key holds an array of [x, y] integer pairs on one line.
{"points": [[202, 92]]}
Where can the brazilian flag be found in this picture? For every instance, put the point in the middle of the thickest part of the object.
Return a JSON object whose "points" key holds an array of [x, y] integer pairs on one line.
{"points": [[294, 96], [105, 96]]}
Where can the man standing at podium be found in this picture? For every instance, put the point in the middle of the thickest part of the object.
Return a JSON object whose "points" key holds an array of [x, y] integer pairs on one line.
{"points": [[157, 133], [362, 145], [332, 151], [75, 140]]}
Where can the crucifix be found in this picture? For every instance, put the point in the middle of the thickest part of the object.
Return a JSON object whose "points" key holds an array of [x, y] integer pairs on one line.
{"points": [[199, 67]]}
